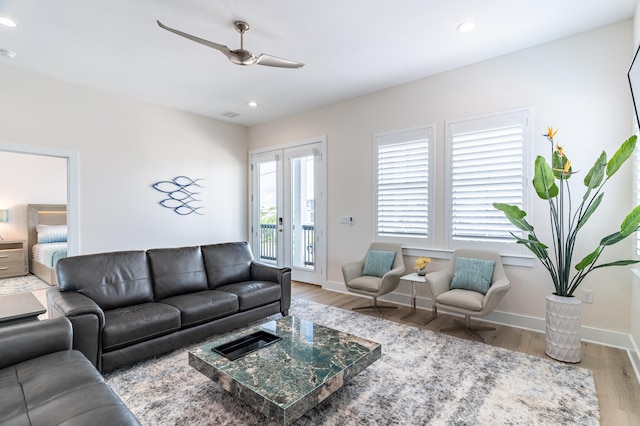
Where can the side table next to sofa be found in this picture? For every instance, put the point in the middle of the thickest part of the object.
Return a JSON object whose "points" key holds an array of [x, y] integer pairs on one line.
{"points": [[19, 307]]}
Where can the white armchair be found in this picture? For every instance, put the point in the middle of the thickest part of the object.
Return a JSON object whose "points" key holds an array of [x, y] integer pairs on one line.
{"points": [[371, 285], [468, 302]]}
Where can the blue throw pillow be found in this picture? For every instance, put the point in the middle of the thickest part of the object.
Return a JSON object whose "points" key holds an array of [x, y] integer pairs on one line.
{"points": [[378, 262], [473, 274]]}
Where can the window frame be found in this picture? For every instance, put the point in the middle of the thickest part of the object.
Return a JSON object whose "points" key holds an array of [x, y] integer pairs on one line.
{"points": [[489, 120], [399, 137]]}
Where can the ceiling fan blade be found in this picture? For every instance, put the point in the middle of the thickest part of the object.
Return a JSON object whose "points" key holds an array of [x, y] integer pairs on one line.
{"points": [[274, 61], [224, 49]]}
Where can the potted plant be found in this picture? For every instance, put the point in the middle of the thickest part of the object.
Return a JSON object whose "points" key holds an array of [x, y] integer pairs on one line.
{"points": [[567, 218], [421, 265]]}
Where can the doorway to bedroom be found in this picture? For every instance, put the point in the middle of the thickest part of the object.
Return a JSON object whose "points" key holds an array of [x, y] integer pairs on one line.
{"points": [[31, 175]]}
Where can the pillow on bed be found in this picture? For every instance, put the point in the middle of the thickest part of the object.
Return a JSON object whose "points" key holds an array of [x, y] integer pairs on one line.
{"points": [[51, 233]]}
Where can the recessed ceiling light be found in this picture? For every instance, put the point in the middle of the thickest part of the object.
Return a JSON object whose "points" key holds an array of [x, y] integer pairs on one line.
{"points": [[7, 53], [252, 104], [465, 27], [8, 22]]}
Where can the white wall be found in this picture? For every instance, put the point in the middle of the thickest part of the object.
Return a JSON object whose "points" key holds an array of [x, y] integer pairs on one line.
{"points": [[124, 146], [578, 84], [29, 179], [635, 290]]}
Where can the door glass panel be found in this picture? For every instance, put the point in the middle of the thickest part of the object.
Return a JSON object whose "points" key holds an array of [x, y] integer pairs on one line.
{"points": [[267, 202], [302, 212]]}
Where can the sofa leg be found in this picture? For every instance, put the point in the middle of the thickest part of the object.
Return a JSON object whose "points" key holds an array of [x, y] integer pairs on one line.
{"points": [[285, 313]]}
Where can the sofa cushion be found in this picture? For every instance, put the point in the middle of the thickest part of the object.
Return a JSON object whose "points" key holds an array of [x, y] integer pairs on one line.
{"points": [[132, 324], [59, 388], [252, 294], [112, 280], [227, 263], [203, 306], [176, 271]]}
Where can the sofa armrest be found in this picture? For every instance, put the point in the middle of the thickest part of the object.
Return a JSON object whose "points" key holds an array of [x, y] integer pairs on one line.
{"points": [[22, 342], [86, 317], [71, 303], [276, 274]]}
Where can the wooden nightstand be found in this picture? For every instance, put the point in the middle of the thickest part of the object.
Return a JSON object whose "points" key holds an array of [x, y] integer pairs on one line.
{"points": [[13, 258]]}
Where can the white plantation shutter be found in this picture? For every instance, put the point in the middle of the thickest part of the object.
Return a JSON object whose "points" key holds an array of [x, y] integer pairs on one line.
{"points": [[488, 163], [402, 185]]}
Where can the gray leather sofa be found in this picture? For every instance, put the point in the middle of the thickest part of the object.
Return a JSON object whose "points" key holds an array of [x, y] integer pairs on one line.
{"points": [[44, 382], [127, 306]]}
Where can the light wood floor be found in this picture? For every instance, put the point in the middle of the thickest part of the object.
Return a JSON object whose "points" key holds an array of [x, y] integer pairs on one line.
{"points": [[616, 383]]}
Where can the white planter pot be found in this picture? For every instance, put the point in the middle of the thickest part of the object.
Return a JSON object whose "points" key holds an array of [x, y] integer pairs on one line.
{"points": [[563, 328]]}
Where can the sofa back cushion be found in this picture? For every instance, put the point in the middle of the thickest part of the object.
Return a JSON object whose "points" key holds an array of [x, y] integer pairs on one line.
{"points": [[227, 263], [177, 271], [112, 280]]}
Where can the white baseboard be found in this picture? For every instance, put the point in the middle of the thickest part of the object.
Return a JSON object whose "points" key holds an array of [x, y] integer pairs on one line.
{"points": [[589, 334], [634, 358]]}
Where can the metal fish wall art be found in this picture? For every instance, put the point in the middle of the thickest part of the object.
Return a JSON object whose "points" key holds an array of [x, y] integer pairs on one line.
{"points": [[181, 192]]}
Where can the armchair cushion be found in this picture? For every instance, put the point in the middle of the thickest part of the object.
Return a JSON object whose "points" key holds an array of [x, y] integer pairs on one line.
{"points": [[378, 263], [461, 299], [366, 283], [473, 274]]}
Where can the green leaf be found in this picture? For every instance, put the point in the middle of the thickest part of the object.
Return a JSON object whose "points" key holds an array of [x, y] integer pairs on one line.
{"points": [[622, 154], [612, 239], [631, 223], [543, 180], [592, 208], [536, 247], [515, 216], [589, 259], [594, 178], [617, 263], [558, 162]]}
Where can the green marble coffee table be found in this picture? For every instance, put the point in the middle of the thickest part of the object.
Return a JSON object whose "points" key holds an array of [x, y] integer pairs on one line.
{"points": [[289, 377]]}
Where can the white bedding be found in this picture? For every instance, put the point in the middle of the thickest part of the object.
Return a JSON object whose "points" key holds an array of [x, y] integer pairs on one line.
{"points": [[49, 254]]}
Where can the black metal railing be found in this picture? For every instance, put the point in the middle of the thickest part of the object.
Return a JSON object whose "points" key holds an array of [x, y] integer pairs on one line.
{"points": [[269, 243], [309, 237]]}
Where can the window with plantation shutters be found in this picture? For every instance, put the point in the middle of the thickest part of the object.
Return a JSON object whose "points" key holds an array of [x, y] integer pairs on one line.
{"points": [[402, 190], [488, 162]]}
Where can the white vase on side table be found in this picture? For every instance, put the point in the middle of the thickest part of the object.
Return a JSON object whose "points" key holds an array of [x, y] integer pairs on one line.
{"points": [[563, 325]]}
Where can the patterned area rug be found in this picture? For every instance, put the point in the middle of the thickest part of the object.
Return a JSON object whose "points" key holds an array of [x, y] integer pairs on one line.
{"points": [[21, 284], [423, 378]]}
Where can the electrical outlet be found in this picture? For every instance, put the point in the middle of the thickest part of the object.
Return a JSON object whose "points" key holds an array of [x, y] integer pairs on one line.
{"points": [[587, 296]]}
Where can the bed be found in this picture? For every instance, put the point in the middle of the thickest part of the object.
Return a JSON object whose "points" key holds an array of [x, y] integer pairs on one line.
{"points": [[47, 239]]}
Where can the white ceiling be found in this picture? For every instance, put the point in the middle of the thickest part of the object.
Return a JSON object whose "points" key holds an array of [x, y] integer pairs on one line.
{"points": [[350, 47]]}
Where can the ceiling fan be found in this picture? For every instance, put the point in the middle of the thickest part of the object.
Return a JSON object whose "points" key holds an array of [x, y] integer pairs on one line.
{"points": [[239, 56]]}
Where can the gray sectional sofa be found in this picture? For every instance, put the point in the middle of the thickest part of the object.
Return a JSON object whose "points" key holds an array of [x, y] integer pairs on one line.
{"points": [[127, 306], [44, 382]]}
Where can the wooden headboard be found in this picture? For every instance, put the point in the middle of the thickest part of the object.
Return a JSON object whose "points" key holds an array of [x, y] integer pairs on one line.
{"points": [[43, 214]]}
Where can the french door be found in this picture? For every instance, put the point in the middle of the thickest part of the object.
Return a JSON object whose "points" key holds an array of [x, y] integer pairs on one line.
{"points": [[288, 211]]}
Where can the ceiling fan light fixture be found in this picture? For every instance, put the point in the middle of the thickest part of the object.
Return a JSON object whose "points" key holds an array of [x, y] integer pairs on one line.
{"points": [[8, 22], [7, 53], [465, 27]]}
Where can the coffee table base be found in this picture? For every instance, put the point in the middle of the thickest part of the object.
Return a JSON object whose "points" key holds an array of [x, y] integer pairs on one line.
{"points": [[288, 378]]}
